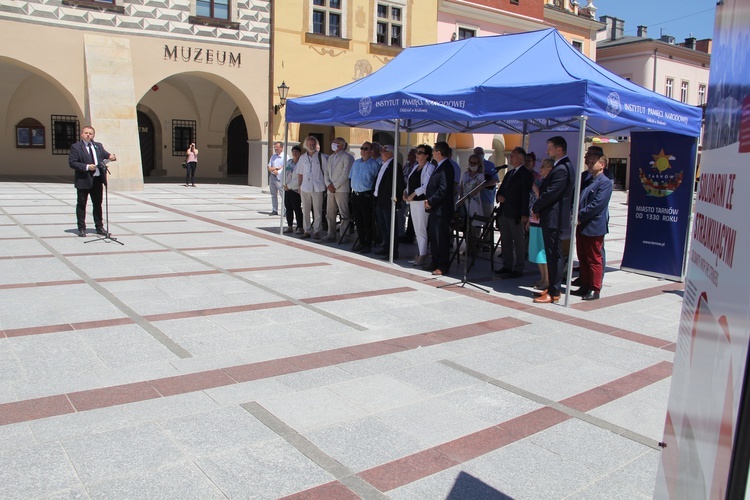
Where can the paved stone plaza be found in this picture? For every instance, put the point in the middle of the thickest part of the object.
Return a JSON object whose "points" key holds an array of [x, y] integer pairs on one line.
{"points": [[210, 357]]}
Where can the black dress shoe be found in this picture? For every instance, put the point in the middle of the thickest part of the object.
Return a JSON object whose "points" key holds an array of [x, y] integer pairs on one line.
{"points": [[82, 233], [382, 251], [592, 295], [580, 292], [504, 270], [576, 282], [100, 230], [357, 247], [365, 250]]}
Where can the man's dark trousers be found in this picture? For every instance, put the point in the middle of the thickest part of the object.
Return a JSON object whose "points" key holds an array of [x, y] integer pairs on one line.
{"points": [[96, 199]]}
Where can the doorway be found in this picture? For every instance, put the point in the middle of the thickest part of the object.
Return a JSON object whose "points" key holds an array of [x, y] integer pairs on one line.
{"points": [[146, 136], [237, 148]]}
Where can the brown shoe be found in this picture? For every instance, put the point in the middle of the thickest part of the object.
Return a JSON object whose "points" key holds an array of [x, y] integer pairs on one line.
{"points": [[305, 236], [547, 299]]}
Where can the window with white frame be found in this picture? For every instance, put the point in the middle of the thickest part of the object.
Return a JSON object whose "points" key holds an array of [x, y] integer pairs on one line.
{"points": [[701, 94], [390, 18], [669, 87], [327, 18], [464, 33], [684, 91]]}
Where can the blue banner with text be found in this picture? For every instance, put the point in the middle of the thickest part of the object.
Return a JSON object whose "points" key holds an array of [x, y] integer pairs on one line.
{"points": [[660, 197]]}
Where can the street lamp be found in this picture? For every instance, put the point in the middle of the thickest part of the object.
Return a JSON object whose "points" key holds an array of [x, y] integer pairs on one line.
{"points": [[283, 92]]}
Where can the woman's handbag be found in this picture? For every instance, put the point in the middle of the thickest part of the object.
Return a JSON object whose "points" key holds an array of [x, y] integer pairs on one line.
{"points": [[184, 164]]}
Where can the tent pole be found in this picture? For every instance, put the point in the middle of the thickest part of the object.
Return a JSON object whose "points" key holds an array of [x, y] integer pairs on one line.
{"points": [[691, 216], [525, 138], [283, 171], [394, 168], [576, 200]]}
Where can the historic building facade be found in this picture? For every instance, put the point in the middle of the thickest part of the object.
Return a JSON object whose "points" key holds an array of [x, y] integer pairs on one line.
{"points": [[322, 44], [676, 70], [150, 75]]}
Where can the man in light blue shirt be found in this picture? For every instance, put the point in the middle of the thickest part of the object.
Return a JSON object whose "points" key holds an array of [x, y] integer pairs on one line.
{"points": [[362, 176]]}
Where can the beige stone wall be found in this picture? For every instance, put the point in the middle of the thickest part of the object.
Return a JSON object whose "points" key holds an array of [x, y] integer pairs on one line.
{"points": [[103, 79]]}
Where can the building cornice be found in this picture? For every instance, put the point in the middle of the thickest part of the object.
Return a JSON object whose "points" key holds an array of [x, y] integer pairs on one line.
{"points": [[646, 47], [489, 14], [560, 17]]}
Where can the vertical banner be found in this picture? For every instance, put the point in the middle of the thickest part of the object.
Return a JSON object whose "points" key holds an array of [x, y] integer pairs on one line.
{"points": [[701, 438], [662, 173]]}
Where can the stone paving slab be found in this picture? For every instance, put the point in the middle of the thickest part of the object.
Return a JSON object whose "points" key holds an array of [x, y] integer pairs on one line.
{"points": [[211, 357]]}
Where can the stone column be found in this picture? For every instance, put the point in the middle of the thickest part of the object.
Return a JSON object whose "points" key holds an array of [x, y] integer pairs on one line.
{"points": [[111, 107]]}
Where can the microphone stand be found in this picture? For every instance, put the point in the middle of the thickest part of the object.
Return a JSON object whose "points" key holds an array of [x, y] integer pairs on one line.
{"points": [[107, 235], [467, 237]]}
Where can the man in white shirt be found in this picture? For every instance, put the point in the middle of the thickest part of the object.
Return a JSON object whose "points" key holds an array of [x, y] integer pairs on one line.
{"points": [[337, 184], [275, 168], [310, 172]]}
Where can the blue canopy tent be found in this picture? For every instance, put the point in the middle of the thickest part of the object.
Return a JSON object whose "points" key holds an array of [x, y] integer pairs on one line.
{"points": [[520, 83]]}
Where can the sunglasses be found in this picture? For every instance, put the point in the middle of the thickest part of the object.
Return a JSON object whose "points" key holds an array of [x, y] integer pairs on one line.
{"points": [[364, 149]]}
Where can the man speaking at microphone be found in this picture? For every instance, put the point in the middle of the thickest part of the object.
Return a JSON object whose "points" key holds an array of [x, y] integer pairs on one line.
{"points": [[87, 158]]}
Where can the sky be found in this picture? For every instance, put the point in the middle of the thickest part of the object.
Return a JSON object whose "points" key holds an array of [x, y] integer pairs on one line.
{"points": [[678, 18]]}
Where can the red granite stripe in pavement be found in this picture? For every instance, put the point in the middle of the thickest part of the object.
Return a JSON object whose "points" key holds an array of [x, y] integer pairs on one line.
{"points": [[192, 382], [329, 491], [181, 384], [19, 257], [479, 443], [261, 370], [357, 295], [34, 409], [217, 310], [606, 393], [106, 397], [406, 470], [277, 268], [392, 475], [65, 327], [624, 298], [12, 286], [37, 330]]}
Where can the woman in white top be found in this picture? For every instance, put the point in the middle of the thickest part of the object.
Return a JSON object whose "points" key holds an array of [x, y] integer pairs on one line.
{"points": [[414, 194], [312, 186], [191, 160]]}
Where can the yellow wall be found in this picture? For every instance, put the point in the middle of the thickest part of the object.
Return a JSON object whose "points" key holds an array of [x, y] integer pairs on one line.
{"points": [[311, 67]]}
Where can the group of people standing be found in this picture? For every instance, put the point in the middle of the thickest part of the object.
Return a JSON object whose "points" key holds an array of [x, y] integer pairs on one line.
{"points": [[533, 208], [551, 209], [361, 190]]}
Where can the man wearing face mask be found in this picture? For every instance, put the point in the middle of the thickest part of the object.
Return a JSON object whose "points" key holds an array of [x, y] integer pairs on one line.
{"points": [[337, 183], [513, 196]]}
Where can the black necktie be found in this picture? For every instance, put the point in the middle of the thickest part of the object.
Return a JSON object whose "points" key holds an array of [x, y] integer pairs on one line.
{"points": [[91, 152]]}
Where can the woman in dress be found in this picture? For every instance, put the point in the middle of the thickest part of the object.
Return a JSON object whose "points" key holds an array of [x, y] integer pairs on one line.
{"points": [[536, 241], [416, 185]]}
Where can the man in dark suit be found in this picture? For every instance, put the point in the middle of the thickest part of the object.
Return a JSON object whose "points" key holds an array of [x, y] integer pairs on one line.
{"points": [[87, 158], [513, 213], [554, 207], [384, 199], [439, 204]]}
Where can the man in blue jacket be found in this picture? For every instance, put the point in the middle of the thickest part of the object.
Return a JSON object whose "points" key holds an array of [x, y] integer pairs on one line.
{"points": [[593, 216]]}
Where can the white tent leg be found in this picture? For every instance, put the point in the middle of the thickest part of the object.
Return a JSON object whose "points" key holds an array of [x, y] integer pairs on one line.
{"points": [[283, 180], [394, 166], [576, 200]]}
